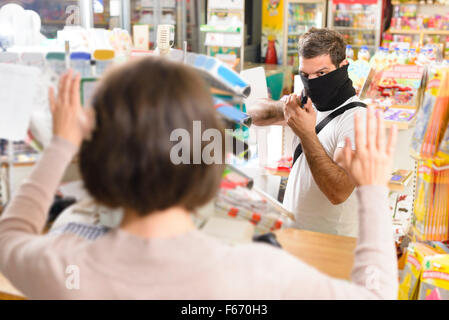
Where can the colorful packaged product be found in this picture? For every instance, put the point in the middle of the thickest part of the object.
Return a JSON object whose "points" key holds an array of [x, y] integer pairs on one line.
{"points": [[434, 284], [433, 116], [398, 86], [438, 120], [399, 114], [432, 202], [358, 72], [422, 123], [411, 275]]}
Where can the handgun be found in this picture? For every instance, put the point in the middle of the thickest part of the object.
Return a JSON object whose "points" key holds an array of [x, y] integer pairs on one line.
{"points": [[302, 100]]}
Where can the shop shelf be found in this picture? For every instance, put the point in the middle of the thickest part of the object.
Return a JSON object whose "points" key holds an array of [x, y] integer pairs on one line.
{"points": [[356, 29]]}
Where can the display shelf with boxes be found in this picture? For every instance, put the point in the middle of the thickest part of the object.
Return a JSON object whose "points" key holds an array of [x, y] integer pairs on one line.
{"points": [[282, 25], [415, 24], [358, 21], [225, 32]]}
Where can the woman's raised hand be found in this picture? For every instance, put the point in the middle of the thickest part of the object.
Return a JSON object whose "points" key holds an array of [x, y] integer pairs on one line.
{"points": [[69, 118], [372, 159]]}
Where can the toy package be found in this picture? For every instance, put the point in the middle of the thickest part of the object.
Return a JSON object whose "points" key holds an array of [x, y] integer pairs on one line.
{"points": [[398, 86], [434, 284], [410, 276], [358, 72]]}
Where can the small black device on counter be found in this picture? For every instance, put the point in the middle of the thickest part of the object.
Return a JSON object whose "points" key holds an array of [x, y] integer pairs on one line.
{"points": [[269, 238]]}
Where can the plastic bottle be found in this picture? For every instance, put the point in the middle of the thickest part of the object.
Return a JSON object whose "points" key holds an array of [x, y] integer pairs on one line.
{"points": [[403, 56], [271, 56], [378, 61], [412, 56], [384, 57], [364, 54], [349, 52], [393, 57], [104, 59], [422, 57], [431, 55], [80, 61], [56, 62]]}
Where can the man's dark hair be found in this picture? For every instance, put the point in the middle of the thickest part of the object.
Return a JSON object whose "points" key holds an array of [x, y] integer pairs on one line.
{"points": [[126, 162], [317, 42]]}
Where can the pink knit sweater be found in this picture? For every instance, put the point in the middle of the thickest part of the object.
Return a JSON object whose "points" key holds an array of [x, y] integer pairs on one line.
{"points": [[189, 266]]}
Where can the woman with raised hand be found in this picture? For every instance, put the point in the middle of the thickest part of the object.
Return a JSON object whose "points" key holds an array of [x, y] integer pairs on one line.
{"points": [[156, 252]]}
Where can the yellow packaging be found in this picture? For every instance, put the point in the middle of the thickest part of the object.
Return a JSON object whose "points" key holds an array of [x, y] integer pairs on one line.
{"points": [[434, 282], [410, 276]]}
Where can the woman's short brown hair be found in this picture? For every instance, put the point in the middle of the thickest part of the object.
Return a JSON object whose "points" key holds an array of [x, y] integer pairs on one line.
{"points": [[126, 162]]}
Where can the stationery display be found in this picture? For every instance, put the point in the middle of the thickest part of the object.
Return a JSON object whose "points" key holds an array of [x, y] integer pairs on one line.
{"points": [[417, 280]]}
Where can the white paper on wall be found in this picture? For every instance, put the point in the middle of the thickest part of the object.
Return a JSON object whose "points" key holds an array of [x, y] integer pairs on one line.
{"points": [[18, 89], [226, 4], [223, 39], [256, 78]]}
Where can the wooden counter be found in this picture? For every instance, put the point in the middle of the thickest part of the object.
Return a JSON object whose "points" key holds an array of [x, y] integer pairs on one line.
{"points": [[333, 255], [7, 291]]}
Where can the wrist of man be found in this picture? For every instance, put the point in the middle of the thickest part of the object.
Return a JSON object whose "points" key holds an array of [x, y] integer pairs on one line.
{"points": [[308, 137]]}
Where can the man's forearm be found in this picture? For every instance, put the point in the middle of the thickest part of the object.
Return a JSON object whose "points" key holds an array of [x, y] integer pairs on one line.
{"points": [[332, 180], [266, 112]]}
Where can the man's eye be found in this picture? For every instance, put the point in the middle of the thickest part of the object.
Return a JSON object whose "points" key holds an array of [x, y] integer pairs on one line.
{"points": [[305, 75], [322, 73]]}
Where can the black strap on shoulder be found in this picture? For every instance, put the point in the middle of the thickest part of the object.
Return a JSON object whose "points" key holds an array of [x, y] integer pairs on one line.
{"points": [[328, 119]]}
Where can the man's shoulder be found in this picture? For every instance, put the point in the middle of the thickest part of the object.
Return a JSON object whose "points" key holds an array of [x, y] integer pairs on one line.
{"points": [[350, 113], [351, 100]]}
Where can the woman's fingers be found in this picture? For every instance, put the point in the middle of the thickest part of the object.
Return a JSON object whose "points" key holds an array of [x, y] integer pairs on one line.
{"points": [[347, 153], [51, 100], [61, 88], [370, 130], [75, 92], [67, 87], [380, 130], [61, 84], [360, 142], [392, 140]]}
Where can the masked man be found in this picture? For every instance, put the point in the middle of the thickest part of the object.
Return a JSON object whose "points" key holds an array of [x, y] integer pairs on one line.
{"points": [[319, 191]]}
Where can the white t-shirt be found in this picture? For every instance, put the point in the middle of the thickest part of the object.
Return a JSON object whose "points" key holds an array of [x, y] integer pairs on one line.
{"points": [[303, 197]]}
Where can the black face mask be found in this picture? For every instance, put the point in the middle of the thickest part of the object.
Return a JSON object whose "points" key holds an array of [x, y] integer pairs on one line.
{"points": [[329, 91]]}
